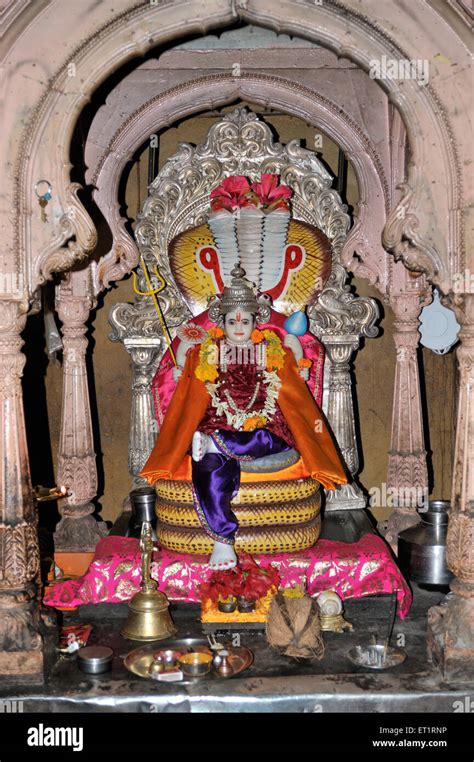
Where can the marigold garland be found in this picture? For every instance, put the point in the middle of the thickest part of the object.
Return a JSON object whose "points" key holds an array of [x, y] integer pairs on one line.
{"points": [[207, 369], [257, 336], [256, 422]]}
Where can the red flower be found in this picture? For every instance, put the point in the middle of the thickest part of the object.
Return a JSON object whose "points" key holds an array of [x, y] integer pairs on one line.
{"points": [[270, 194], [221, 585], [234, 192], [247, 579], [255, 582]]}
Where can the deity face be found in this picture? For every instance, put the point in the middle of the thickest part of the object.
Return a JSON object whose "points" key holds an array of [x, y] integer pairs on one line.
{"points": [[238, 326]]}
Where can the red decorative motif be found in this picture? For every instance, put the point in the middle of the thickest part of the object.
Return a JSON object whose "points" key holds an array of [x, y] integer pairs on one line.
{"points": [[293, 260], [209, 259]]}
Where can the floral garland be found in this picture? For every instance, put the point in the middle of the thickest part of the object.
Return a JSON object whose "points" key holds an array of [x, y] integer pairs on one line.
{"points": [[207, 368], [242, 420], [207, 371]]}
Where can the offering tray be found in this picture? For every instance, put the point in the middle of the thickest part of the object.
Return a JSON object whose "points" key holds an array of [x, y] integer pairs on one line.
{"points": [[139, 660]]}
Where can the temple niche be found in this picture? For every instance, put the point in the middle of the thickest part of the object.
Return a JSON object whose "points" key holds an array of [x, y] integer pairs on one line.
{"points": [[218, 251]]}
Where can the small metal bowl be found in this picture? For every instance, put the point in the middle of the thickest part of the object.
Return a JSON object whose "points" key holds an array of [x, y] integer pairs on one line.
{"points": [[246, 605], [196, 664], [228, 606], [167, 657]]}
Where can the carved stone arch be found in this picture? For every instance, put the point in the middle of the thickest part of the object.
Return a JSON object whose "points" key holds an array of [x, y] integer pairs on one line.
{"points": [[426, 229], [292, 97], [337, 25]]}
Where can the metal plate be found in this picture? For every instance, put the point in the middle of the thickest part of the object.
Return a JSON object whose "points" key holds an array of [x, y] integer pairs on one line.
{"points": [[139, 660], [377, 657]]}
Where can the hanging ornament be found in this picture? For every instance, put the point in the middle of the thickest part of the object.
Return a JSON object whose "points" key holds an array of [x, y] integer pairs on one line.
{"points": [[438, 326]]}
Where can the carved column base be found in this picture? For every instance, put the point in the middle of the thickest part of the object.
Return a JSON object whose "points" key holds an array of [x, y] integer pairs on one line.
{"points": [[399, 520], [347, 497], [79, 533], [450, 639], [21, 643]]}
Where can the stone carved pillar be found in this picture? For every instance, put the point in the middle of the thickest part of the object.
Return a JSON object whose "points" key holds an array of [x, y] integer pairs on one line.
{"points": [[407, 477], [340, 413], [21, 643], [451, 626], [78, 530], [143, 426]]}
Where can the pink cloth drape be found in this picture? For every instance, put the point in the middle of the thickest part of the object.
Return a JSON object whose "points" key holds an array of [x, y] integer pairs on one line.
{"points": [[353, 570]]}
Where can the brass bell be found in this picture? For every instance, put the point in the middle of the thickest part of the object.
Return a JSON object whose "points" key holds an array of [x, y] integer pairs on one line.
{"points": [[148, 614]]}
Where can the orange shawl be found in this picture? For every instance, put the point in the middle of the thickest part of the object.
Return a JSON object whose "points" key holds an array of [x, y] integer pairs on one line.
{"points": [[305, 421]]}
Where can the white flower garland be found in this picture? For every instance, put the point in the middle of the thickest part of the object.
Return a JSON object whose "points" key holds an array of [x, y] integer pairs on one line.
{"points": [[237, 417]]}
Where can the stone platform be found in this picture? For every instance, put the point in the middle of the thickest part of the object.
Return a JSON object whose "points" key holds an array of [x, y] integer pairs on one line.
{"points": [[273, 682]]}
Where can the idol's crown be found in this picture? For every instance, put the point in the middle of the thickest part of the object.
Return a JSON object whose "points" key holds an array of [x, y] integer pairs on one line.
{"points": [[239, 294]]}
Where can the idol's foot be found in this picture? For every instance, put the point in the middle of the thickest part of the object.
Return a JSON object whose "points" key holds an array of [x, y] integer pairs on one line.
{"points": [[202, 444], [223, 557]]}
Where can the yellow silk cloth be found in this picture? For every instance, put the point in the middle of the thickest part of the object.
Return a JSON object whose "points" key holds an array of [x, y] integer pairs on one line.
{"points": [[311, 434]]}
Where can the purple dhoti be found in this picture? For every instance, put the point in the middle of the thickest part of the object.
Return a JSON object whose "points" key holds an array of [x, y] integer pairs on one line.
{"points": [[216, 478]]}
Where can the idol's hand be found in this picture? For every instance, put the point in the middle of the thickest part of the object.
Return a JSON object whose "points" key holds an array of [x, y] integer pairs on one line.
{"points": [[293, 343], [181, 352], [177, 371], [304, 373]]}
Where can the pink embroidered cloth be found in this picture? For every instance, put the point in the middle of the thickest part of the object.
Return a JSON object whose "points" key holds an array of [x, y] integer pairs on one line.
{"points": [[352, 570]]}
